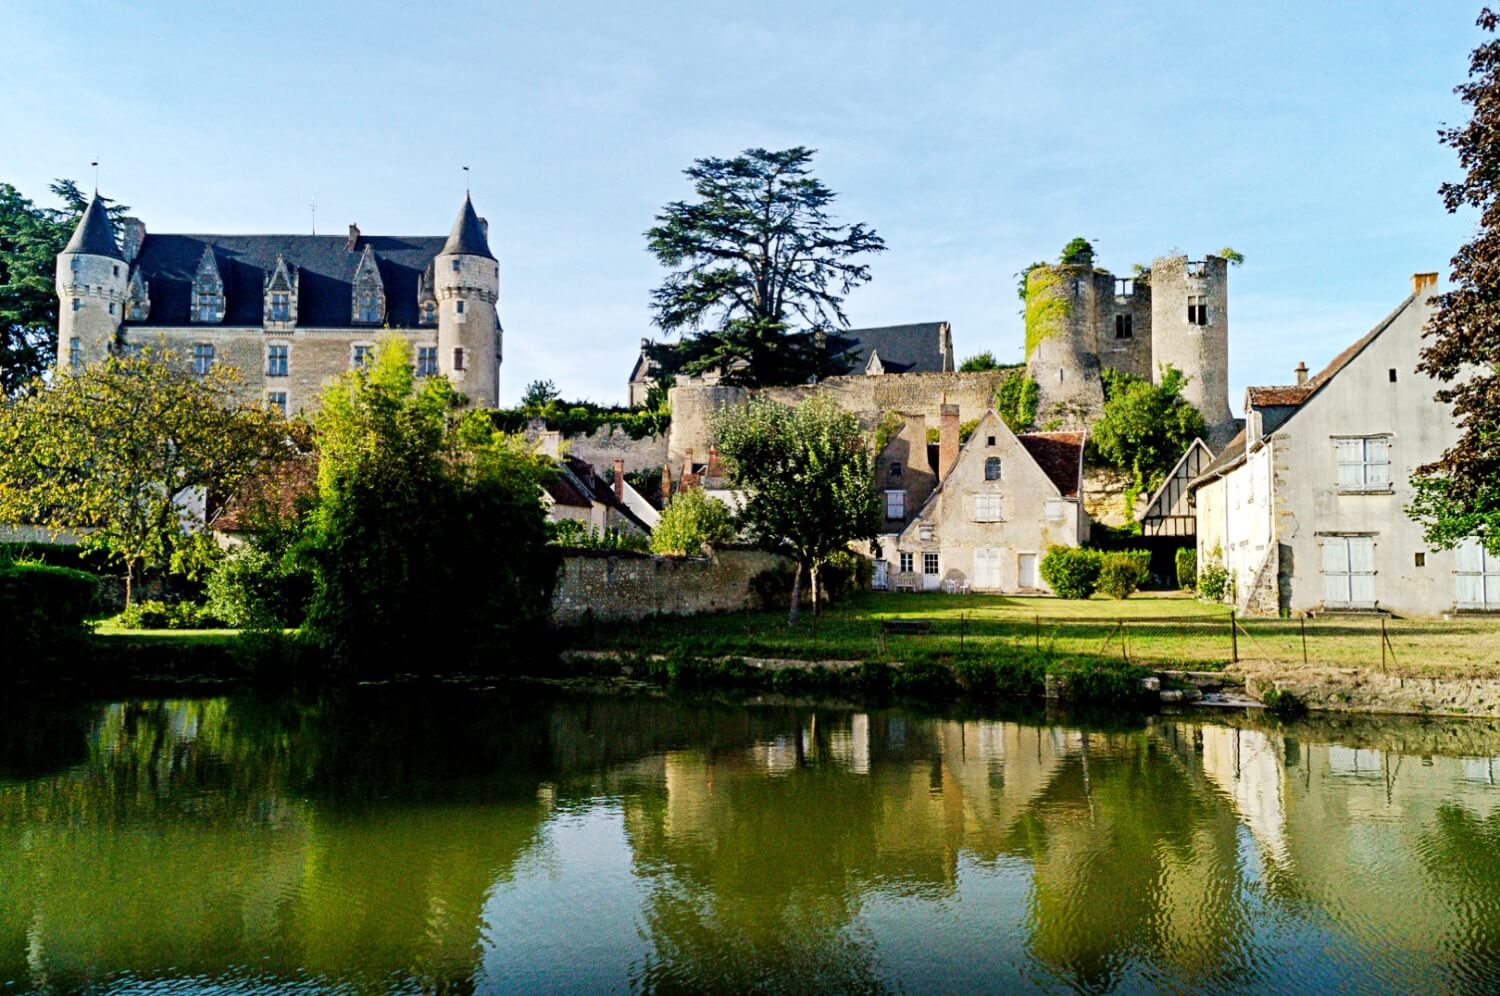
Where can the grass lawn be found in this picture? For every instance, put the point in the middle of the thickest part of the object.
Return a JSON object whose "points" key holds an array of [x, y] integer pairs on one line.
{"points": [[1159, 629], [110, 630]]}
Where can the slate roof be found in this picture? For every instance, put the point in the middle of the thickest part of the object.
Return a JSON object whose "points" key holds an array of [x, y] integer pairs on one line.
{"points": [[563, 492], [602, 491], [467, 237], [94, 234], [1059, 454], [903, 348], [326, 265]]}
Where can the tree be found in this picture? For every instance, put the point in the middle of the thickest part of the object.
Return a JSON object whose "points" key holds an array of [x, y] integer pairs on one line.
{"points": [[979, 362], [428, 538], [808, 472], [30, 239], [126, 450], [689, 521], [1144, 427], [760, 271], [1078, 252], [539, 394], [1458, 495]]}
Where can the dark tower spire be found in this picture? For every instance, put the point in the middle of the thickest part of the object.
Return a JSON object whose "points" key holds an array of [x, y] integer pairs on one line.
{"points": [[467, 237], [95, 234]]}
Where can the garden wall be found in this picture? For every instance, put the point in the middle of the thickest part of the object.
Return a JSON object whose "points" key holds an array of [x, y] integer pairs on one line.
{"points": [[607, 587]]}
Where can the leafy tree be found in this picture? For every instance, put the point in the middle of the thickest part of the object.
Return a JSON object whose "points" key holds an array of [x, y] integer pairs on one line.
{"points": [[1458, 495], [30, 239], [760, 271], [979, 362], [539, 394], [689, 521], [1144, 427], [1234, 258], [1078, 252], [428, 539], [124, 450], [808, 471]]}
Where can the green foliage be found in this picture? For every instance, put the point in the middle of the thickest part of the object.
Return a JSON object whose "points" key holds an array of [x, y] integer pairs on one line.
{"points": [[1101, 683], [571, 534], [843, 574], [44, 609], [580, 418], [1016, 399], [1078, 252], [262, 584], [118, 450], [1234, 258], [890, 425], [1122, 572], [1048, 305], [1213, 580], [1071, 572], [924, 679], [809, 475], [1187, 568], [979, 362], [1283, 705], [428, 539], [966, 429], [538, 395], [1023, 279], [153, 614], [755, 254], [691, 520], [1144, 428], [1451, 508]]}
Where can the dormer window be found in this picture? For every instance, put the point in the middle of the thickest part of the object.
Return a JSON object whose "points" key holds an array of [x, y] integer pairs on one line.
{"points": [[281, 307], [369, 290], [368, 310], [208, 289], [205, 307], [279, 304]]}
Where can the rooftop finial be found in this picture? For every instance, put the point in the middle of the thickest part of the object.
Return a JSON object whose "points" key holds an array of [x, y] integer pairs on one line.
{"points": [[313, 207], [466, 181], [95, 164]]}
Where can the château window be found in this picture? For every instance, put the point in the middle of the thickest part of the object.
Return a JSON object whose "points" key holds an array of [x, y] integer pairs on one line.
{"points": [[895, 471], [277, 400], [281, 306], [75, 352], [117, 269], [1197, 310], [930, 564], [989, 440], [369, 308], [363, 355], [992, 469], [986, 508], [460, 307], [75, 262], [276, 360], [77, 303], [458, 356], [203, 357], [1364, 463], [895, 504], [111, 307], [137, 311], [429, 312], [1124, 326], [458, 264], [426, 361], [206, 307], [906, 563]]}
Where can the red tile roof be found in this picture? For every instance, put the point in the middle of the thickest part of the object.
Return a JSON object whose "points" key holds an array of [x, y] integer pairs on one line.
{"points": [[277, 487], [1060, 456], [564, 493], [1290, 394]]}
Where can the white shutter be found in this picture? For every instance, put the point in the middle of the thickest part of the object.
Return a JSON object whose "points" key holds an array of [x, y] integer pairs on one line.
{"points": [[1378, 461], [1335, 570], [1362, 570], [1469, 556], [1351, 462], [986, 567]]}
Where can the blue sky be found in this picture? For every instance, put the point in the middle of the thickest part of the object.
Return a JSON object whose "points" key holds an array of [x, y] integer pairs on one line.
{"points": [[974, 137]]}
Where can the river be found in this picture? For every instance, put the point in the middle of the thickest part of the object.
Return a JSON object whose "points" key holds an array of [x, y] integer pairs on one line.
{"points": [[459, 839]]}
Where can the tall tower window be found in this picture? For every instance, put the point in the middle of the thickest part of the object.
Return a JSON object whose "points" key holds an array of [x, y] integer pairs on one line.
{"points": [[1124, 326], [458, 264], [75, 263], [77, 303], [276, 360], [203, 357], [1197, 310], [426, 361], [460, 305], [458, 356], [75, 353]]}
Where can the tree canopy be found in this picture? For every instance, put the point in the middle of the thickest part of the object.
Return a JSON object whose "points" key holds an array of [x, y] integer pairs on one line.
{"points": [[125, 452], [689, 521], [1144, 428], [1458, 495], [30, 239], [809, 477], [760, 271]]}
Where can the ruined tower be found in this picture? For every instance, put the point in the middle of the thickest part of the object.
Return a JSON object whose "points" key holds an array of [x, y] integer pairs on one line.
{"points": [[466, 280], [1190, 329], [1060, 338], [92, 284]]}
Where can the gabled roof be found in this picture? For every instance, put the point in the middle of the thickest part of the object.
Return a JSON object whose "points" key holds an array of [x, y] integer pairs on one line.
{"points": [[1060, 455], [565, 492], [467, 237], [95, 235], [903, 348], [1177, 468], [596, 488], [1230, 457]]}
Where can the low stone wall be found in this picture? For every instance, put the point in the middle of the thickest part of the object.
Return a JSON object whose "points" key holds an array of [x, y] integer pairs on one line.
{"points": [[609, 442], [622, 586]]}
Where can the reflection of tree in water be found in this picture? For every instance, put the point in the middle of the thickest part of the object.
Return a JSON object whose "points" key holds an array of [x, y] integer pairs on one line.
{"points": [[1460, 851]]}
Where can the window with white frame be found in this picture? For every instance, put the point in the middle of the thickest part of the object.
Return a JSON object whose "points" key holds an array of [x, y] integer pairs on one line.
{"points": [[203, 357], [426, 361], [276, 400], [986, 508], [1364, 463], [992, 469], [276, 359], [363, 354], [930, 564], [895, 504], [906, 563], [281, 306]]}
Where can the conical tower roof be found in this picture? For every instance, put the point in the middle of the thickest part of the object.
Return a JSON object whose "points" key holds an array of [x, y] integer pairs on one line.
{"points": [[467, 237], [94, 234]]}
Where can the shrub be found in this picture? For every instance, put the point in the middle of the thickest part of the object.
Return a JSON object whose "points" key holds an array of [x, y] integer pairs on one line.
{"points": [[44, 609], [925, 679], [1187, 568], [844, 572], [1213, 581], [1071, 572], [153, 614], [689, 521], [259, 587], [1123, 571]]}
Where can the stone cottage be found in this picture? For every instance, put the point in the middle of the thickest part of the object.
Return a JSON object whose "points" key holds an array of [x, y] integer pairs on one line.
{"points": [[998, 502], [1306, 506]]}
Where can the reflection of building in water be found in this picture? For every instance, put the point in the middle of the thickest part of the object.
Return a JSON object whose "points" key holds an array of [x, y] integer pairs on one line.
{"points": [[1244, 765]]}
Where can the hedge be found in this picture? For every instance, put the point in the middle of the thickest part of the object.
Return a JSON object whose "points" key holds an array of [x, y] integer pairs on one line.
{"points": [[42, 609], [1187, 568], [1071, 572]]}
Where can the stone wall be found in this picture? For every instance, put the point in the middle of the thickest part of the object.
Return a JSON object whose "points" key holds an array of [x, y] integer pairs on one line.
{"points": [[623, 586], [606, 444]]}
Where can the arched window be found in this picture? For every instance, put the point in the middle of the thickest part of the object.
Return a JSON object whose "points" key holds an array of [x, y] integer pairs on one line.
{"points": [[992, 469]]}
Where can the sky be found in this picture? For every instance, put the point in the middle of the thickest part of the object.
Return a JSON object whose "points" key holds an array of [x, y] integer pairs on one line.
{"points": [[975, 138]]}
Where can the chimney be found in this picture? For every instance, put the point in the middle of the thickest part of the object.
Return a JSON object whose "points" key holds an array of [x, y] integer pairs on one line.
{"points": [[1301, 372], [353, 239], [619, 481], [549, 444], [714, 470], [1423, 282], [132, 235], [687, 462], [947, 440], [666, 483]]}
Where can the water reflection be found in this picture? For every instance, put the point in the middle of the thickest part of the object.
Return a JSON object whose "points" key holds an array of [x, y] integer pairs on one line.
{"points": [[457, 840]]}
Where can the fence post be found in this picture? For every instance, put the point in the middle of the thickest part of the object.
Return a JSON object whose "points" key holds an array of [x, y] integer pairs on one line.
{"points": [[1234, 639], [1038, 632], [1304, 638], [962, 625], [1125, 641], [1382, 644]]}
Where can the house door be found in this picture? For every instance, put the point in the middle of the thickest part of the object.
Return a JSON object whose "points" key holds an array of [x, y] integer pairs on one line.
{"points": [[1026, 571], [931, 579], [987, 568], [882, 569], [1477, 573], [1349, 572]]}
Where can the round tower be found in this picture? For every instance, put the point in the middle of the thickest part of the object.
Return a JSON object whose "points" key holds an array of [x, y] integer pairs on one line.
{"points": [[1190, 329], [466, 282], [1062, 314], [92, 282]]}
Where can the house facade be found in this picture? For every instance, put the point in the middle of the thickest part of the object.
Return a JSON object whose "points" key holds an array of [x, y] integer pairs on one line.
{"points": [[999, 502], [1306, 508]]}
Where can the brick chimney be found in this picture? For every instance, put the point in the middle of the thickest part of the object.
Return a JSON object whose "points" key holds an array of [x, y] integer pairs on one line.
{"points": [[687, 463], [947, 440], [1301, 372], [714, 470], [619, 481], [1421, 282], [666, 483], [353, 238]]}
